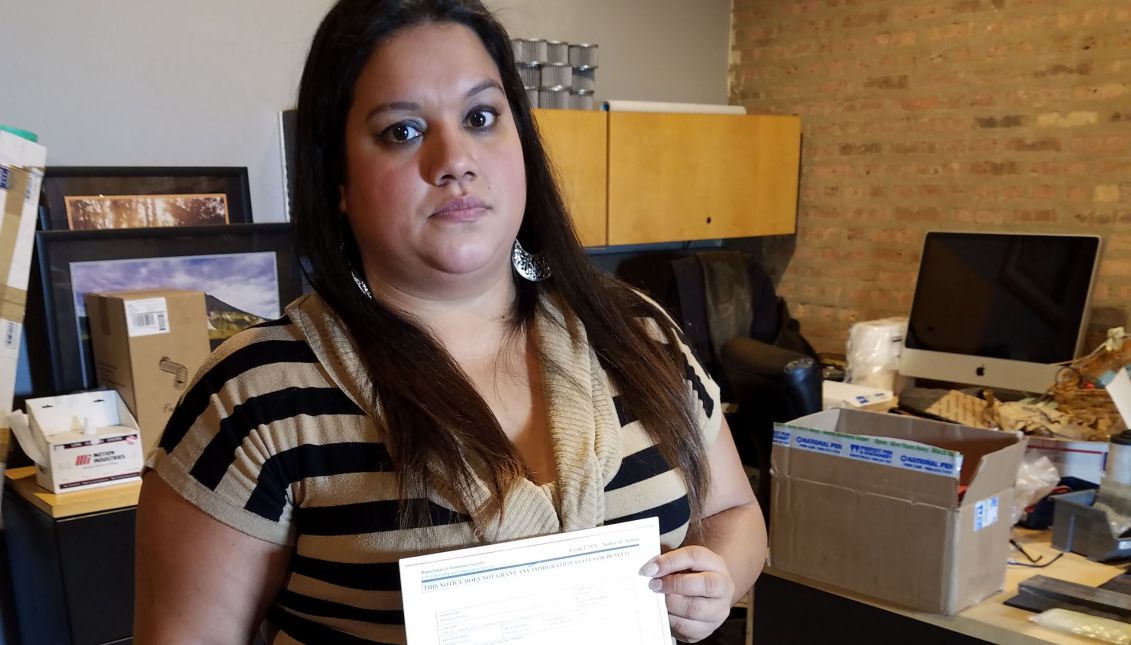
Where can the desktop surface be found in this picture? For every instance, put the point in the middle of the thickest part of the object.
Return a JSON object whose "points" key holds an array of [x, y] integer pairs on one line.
{"points": [[806, 614]]}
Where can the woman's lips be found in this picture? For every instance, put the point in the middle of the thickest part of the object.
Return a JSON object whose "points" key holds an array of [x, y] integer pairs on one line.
{"points": [[463, 209]]}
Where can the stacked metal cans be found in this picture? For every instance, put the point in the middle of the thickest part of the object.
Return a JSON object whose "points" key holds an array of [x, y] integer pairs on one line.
{"points": [[557, 74]]}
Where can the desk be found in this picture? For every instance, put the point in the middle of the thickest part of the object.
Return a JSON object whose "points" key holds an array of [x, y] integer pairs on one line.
{"points": [[71, 557], [788, 610]]}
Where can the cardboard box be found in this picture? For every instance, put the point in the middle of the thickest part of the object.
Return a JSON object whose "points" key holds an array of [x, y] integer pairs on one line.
{"points": [[1086, 460], [870, 503], [21, 173], [148, 345], [69, 457]]}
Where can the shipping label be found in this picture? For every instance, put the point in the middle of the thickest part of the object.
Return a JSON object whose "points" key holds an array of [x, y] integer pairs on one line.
{"points": [[10, 338], [985, 513], [146, 317]]}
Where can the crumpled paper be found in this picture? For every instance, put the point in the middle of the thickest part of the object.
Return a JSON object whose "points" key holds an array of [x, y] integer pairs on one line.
{"points": [[1115, 338], [1040, 418]]}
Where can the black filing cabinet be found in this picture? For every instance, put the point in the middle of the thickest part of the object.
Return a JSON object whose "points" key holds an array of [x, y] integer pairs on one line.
{"points": [[72, 577]]}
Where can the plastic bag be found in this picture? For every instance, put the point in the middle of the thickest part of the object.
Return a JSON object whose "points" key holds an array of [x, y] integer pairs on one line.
{"points": [[873, 352], [1074, 622], [1035, 479], [1114, 499]]}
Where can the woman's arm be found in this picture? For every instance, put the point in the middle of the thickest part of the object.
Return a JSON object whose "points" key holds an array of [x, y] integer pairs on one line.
{"points": [[733, 526], [198, 580], [703, 581]]}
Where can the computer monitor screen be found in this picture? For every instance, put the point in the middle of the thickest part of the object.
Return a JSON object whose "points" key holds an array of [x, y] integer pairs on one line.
{"points": [[997, 309]]}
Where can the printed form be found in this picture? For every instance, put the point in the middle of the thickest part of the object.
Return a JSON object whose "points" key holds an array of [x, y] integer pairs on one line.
{"points": [[578, 587]]}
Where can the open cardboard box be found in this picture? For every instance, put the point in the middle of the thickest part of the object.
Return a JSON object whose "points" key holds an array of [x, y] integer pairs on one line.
{"points": [[898, 509], [67, 457]]}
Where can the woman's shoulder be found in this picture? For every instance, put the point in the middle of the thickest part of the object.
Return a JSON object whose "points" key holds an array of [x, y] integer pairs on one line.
{"points": [[266, 371], [264, 357]]}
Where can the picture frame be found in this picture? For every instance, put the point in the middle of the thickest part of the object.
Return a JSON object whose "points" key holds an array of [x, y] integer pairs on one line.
{"points": [[103, 197], [288, 128], [204, 258]]}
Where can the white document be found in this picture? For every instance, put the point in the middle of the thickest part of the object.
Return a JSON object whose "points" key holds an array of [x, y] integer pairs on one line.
{"points": [[579, 587]]}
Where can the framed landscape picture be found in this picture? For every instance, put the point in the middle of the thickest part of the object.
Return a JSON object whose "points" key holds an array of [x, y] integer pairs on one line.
{"points": [[80, 198], [247, 271]]}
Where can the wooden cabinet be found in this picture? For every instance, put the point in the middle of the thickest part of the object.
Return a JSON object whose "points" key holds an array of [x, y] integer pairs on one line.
{"points": [[675, 177], [577, 143], [701, 176]]}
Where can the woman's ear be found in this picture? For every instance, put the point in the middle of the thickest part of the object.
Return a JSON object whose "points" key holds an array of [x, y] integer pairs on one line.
{"points": [[342, 200]]}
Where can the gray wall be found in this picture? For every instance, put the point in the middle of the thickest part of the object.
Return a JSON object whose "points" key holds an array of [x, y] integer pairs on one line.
{"points": [[134, 82]]}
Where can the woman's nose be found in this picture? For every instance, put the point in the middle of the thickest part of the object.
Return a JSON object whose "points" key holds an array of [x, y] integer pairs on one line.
{"points": [[449, 156]]}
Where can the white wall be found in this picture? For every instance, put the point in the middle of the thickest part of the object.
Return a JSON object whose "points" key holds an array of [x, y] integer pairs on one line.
{"points": [[650, 50], [158, 83]]}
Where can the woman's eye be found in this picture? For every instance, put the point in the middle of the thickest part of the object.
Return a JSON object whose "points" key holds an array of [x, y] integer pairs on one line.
{"points": [[401, 133], [482, 118]]}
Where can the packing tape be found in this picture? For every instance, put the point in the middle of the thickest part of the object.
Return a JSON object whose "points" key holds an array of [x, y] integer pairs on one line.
{"points": [[906, 455]]}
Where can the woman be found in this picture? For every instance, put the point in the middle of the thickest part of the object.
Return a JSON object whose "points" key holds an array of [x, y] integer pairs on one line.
{"points": [[444, 387]]}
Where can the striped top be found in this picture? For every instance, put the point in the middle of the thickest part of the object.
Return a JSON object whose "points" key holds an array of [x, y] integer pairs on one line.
{"points": [[276, 439]]}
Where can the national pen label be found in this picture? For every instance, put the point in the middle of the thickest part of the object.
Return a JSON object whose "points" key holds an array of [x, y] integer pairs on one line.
{"points": [[895, 453]]}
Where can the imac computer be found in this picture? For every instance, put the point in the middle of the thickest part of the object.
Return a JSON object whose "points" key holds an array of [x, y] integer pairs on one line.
{"points": [[999, 310]]}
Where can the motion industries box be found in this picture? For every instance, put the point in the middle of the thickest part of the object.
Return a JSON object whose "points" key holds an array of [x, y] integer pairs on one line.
{"points": [[83, 440]]}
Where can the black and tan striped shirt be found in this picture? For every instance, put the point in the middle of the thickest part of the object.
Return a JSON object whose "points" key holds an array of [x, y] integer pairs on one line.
{"points": [[276, 438]]}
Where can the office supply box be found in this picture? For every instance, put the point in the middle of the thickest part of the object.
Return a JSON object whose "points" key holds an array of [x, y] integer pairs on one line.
{"points": [[898, 509], [84, 440], [835, 394], [148, 345]]}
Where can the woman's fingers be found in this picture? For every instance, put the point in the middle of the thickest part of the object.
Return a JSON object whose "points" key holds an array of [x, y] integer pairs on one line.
{"points": [[709, 584], [688, 558], [698, 590], [697, 608], [689, 631], [703, 616]]}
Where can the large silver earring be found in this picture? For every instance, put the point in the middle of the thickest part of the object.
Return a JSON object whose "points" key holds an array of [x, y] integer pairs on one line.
{"points": [[347, 234], [361, 285], [532, 267]]}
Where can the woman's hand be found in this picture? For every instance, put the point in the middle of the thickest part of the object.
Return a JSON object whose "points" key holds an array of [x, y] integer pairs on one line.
{"points": [[698, 587]]}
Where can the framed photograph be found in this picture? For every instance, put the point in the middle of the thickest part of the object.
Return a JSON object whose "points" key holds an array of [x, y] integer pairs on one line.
{"points": [[95, 198], [248, 273]]}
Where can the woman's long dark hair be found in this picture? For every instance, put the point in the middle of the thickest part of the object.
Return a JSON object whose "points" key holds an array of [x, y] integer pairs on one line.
{"points": [[436, 422]]}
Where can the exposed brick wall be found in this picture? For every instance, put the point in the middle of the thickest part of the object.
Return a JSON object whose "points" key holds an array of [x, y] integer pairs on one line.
{"points": [[926, 114]]}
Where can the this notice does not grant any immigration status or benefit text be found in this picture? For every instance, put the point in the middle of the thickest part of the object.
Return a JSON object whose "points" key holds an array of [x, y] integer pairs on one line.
{"points": [[578, 587]]}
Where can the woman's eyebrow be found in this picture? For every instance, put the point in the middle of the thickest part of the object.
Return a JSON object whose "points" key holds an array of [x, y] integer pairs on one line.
{"points": [[409, 106], [485, 85], [395, 106]]}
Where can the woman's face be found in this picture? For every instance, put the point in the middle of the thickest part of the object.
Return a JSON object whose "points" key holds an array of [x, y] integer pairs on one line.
{"points": [[435, 187]]}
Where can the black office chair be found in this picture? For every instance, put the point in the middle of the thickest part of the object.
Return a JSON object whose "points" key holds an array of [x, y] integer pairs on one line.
{"points": [[769, 385], [766, 368]]}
